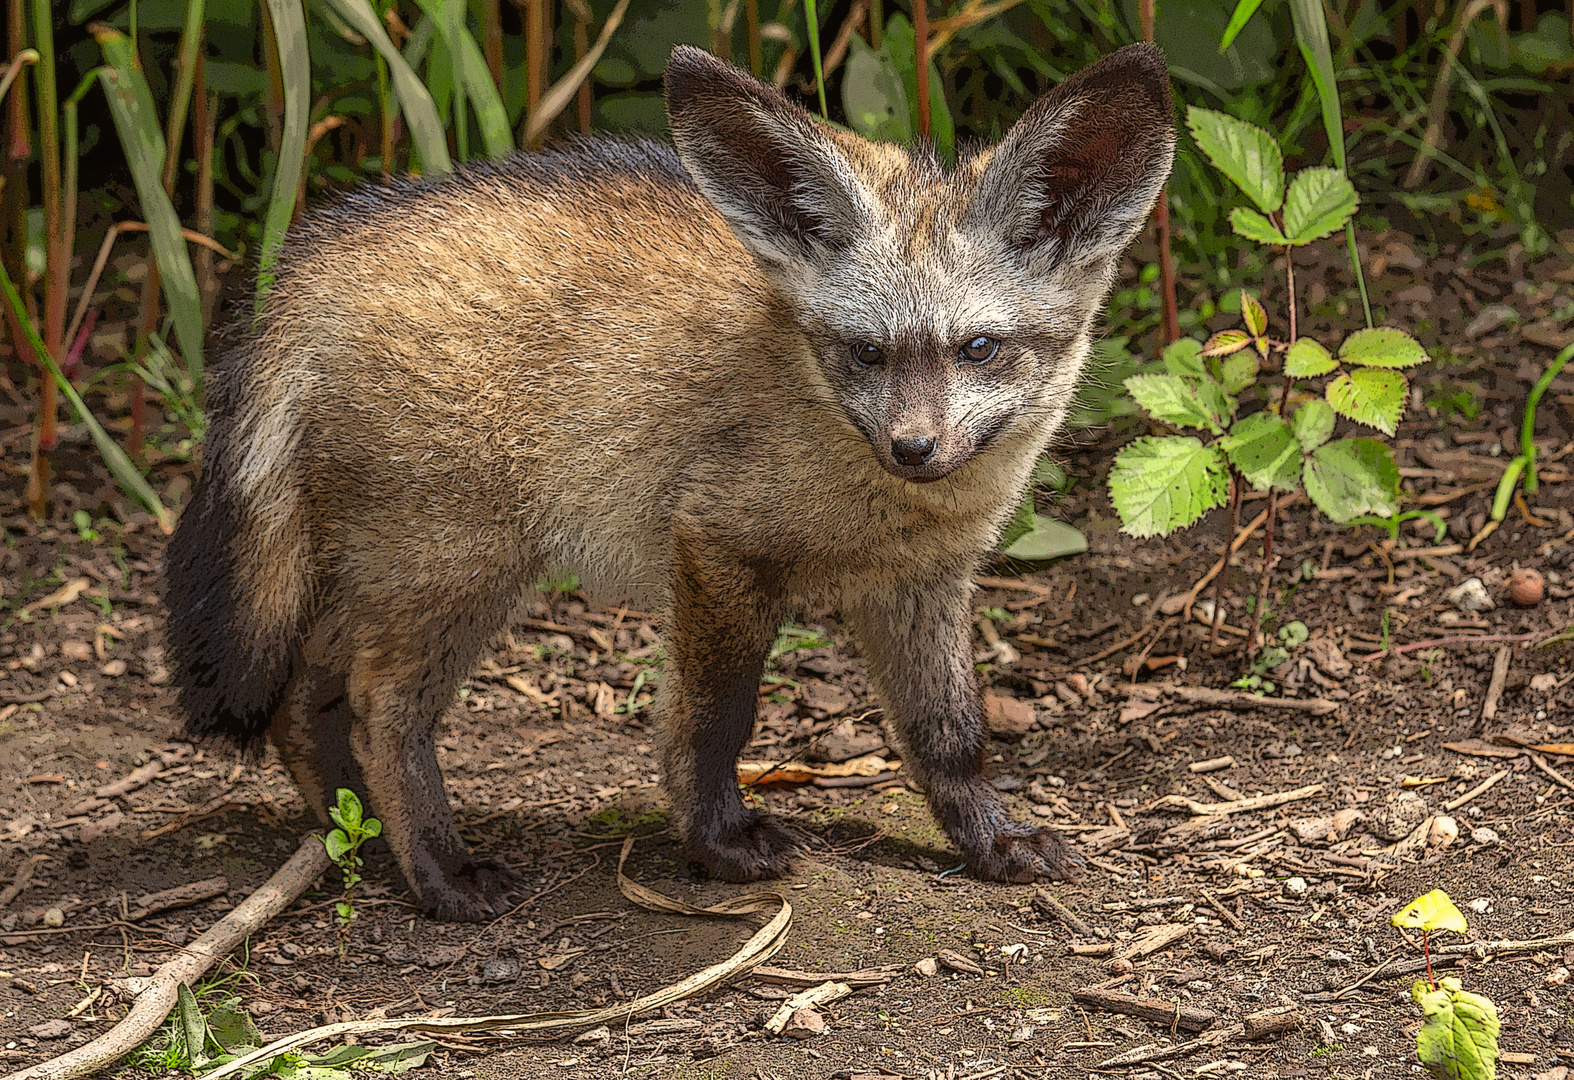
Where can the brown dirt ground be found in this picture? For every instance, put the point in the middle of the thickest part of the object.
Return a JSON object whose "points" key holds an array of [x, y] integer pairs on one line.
{"points": [[549, 770]]}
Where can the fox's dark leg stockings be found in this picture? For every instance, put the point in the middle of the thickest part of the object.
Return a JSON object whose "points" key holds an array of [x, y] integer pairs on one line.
{"points": [[399, 690], [722, 625], [312, 733], [918, 641]]}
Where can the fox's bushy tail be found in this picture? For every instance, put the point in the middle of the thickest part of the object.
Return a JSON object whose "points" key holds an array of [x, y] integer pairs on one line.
{"points": [[236, 574]]}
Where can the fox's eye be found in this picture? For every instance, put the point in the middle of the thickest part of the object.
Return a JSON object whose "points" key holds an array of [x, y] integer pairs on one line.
{"points": [[866, 354], [979, 350]]}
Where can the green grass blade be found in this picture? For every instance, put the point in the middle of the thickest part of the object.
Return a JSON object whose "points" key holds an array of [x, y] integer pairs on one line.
{"points": [[1243, 15], [812, 16], [289, 28], [479, 89], [137, 122], [431, 143], [120, 466], [1311, 34]]}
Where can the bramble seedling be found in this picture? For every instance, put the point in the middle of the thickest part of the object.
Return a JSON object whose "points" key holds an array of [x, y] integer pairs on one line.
{"points": [[1162, 483], [344, 847], [1458, 1038]]}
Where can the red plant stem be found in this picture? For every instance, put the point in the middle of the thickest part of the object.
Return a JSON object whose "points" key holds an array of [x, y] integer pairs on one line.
{"points": [[14, 195], [1426, 951], [581, 47], [1218, 582], [1267, 567], [1167, 272], [492, 41], [921, 58], [57, 246]]}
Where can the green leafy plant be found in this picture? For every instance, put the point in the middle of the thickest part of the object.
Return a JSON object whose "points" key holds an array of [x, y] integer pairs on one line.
{"points": [[1523, 466], [344, 848], [1458, 1037], [1162, 483]]}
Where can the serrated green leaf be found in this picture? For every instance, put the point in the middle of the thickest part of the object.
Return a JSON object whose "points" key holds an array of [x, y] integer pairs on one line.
{"points": [[1254, 315], [1306, 359], [1047, 539], [1320, 201], [1226, 342], [1431, 911], [1184, 357], [1370, 396], [1182, 402], [1238, 372], [1313, 423], [1162, 484], [1350, 477], [1254, 227], [1382, 347], [1265, 450], [1458, 1039], [1244, 152]]}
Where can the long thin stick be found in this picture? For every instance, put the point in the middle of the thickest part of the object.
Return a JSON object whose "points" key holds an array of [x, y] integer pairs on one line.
{"points": [[158, 998]]}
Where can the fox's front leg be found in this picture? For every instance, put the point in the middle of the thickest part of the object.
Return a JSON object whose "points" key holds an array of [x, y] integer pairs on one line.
{"points": [[720, 631], [918, 641]]}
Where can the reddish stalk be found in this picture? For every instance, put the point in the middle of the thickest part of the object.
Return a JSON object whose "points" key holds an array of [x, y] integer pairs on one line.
{"points": [[535, 54], [751, 18], [1218, 582], [1273, 493], [14, 193], [492, 40], [57, 266], [921, 49], [581, 47], [1161, 212]]}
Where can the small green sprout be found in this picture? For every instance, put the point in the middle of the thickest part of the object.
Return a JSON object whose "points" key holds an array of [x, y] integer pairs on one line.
{"points": [[344, 848], [1458, 1040]]}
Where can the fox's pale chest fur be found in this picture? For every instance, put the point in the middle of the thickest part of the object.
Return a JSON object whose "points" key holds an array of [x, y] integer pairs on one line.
{"points": [[773, 366]]}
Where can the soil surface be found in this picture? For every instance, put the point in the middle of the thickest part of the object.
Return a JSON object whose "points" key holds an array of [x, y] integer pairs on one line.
{"points": [[1379, 776]]}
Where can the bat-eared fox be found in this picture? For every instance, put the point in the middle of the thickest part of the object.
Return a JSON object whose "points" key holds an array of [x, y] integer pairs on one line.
{"points": [[774, 366]]}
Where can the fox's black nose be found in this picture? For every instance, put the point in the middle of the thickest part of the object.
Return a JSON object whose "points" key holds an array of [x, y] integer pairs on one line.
{"points": [[916, 450]]}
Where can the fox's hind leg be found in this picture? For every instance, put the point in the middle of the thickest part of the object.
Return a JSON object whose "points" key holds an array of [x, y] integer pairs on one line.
{"points": [[399, 688], [312, 733], [723, 622]]}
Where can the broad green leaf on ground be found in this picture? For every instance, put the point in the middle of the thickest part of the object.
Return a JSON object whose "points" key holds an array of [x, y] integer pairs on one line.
{"points": [[1159, 485], [1046, 539], [1432, 911], [1350, 477], [1319, 202], [1238, 372], [1458, 1038], [1313, 423], [1254, 227], [1307, 359], [1182, 402], [1226, 342], [1370, 396], [1265, 450], [1184, 357], [1244, 152], [1254, 315], [232, 1026], [1382, 347]]}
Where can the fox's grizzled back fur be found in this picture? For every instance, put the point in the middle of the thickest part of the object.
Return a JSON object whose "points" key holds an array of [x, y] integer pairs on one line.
{"points": [[778, 365]]}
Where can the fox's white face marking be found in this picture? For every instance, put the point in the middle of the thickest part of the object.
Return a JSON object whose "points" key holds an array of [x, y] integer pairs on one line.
{"points": [[896, 265]]}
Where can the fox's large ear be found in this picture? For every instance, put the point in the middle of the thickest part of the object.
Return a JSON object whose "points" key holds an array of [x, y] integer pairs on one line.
{"points": [[771, 170], [1075, 179]]}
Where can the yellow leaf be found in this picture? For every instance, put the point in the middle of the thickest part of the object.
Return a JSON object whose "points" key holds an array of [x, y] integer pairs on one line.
{"points": [[1434, 911]]}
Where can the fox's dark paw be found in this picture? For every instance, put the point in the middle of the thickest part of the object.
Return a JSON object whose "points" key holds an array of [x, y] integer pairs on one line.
{"points": [[470, 890], [758, 847], [1024, 854]]}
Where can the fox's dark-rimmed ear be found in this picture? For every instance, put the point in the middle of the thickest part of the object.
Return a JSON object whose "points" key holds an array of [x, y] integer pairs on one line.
{"points": [[1078, 175], [771, 170]]}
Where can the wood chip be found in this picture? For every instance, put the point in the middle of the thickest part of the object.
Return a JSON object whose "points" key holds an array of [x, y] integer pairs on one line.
{"points": [[1256, 802], [180, 896], [1154, 938], [1172, 1015], [1260, 1025], [1042, 899], [1228, 699], [1480, 789], [1495, 687], [1212, 764], [823, 994], [861, 977]]}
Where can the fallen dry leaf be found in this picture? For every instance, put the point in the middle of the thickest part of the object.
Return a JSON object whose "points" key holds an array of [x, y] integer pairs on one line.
{"points": [[795, 772]]}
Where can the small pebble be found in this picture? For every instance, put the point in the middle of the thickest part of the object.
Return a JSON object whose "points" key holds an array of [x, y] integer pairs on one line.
{"points": [[54, 917], [1526, 587], [805, 1024], [1484, 835], [1471, 596], [1480, 905], [927, 967], [1295, 886]]}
